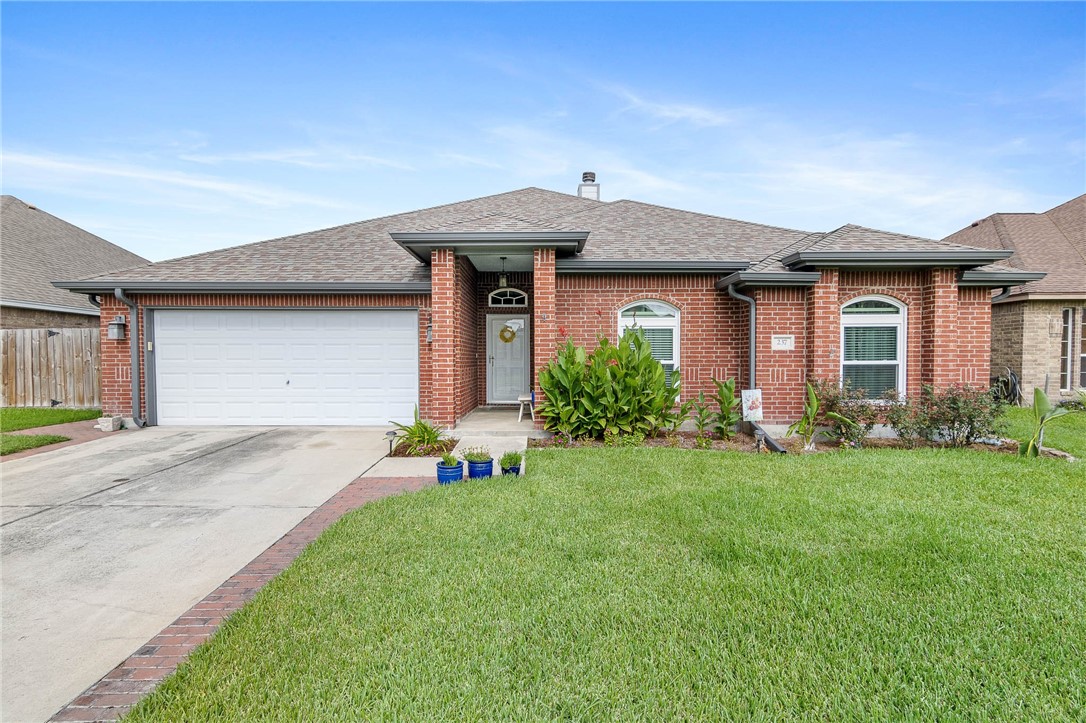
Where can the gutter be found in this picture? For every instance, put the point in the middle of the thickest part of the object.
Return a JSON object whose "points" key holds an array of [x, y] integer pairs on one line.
{"points": [[134, 333], [753, 355]]}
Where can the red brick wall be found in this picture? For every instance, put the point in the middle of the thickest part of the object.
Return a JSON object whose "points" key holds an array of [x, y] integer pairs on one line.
{"points": [[116, 355], [781, 374], [468, 338], [973, 345], [712, 325], [544, 305]]}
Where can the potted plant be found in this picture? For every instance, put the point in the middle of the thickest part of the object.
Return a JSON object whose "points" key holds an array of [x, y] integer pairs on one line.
{"points": [[480, 462], [449, 469], [510, 463]]}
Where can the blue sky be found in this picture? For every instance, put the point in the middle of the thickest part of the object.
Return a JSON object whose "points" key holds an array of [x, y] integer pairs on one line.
{"points": [[176, 128]]}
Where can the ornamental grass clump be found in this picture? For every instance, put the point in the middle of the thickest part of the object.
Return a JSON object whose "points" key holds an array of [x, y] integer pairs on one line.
{"points": [[618, 390]]}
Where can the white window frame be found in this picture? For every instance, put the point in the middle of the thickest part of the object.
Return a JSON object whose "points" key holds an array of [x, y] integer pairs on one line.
{"points": [[1067, 348], [519, 302], [898, 320], [655, 323]]}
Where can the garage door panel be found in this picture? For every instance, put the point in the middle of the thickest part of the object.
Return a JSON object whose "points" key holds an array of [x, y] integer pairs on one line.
{"points": [[232, 366]]}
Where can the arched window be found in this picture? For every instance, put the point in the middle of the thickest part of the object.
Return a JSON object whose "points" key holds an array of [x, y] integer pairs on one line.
{"points": [[873, 345], [508, 297], [660, 324]]}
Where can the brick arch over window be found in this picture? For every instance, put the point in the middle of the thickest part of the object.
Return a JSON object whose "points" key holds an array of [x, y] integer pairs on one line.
{"points": [[874, 343], [660, 322]]}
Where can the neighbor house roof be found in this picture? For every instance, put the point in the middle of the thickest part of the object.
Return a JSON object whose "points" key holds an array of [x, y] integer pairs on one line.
{"points": [[39, 248], [1053, 242], [589, 235]]}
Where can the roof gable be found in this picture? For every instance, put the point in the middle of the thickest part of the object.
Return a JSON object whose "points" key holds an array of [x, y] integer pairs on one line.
{"points": [[40, 248]]}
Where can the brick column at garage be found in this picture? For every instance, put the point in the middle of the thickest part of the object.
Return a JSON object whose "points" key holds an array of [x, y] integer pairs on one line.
{"points": [[824, 325], [443, 349], [544, 325], [115, 374], [939, 363]]}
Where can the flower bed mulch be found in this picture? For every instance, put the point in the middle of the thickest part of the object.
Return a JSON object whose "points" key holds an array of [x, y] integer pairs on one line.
{"points": [[434, 450], [679, 440], [793, 445]]}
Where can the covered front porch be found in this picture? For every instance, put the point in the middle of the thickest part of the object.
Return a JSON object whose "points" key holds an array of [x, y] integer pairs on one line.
{"points": [[492, 316]]}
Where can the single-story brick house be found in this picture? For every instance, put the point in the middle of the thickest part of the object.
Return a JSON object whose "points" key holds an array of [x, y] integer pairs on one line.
{"points": [[457, 306], [1039, 329]]}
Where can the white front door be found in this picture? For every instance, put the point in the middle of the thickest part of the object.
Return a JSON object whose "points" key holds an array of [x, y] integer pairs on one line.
{"points": [[508, 349]]}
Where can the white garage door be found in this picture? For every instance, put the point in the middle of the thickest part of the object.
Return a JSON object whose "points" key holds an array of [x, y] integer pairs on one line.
{"points": [[285, 367]]}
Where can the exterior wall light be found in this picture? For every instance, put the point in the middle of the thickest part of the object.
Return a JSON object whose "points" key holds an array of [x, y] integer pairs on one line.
{"points": [[115, 330]]}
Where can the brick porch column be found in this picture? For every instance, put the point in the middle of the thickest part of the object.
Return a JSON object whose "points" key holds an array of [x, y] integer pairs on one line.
{"points": [[939, 331], [443, 349], [544, 325], [824, 327]]}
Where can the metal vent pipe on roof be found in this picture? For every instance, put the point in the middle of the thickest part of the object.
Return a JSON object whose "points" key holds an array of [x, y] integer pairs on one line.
{"points": [[588, 177]]}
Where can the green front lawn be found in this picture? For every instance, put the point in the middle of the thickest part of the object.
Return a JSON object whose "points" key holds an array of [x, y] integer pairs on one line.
{"points": [[660, 584], [16, 418], [12, 443], [1068, 433]]}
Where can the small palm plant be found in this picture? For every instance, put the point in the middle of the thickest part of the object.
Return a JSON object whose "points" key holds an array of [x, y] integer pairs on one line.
{"points": [[702, 416], [420, 438]]}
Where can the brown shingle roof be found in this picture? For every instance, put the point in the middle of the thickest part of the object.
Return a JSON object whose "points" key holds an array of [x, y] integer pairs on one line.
{"points": [[39, 248], [1053, 242], [364, 252]]}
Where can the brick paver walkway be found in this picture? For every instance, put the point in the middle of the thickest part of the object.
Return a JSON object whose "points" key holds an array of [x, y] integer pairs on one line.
{"points": [[114, 694]]}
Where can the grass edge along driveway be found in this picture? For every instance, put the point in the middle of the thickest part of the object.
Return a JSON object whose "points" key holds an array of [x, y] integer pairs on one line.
{"points": [[658, 584], [18, 418]]}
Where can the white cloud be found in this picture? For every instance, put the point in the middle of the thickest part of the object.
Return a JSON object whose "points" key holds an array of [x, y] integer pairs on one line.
{"points": [[697, 115], [316, 158], [40, 171]]}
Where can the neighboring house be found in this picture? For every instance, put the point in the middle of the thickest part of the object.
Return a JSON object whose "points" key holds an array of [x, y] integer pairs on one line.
{"points": [[458, 306], [1039, 330], [37, 249]]}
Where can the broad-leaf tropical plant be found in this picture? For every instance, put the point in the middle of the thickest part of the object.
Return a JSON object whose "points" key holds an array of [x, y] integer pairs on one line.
{"points": [[807, 425], [1043, 413], [419, 438], [730, 413]]}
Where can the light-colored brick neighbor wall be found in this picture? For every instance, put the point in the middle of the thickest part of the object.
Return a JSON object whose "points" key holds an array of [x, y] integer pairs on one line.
{"points": [[1026, 337]]}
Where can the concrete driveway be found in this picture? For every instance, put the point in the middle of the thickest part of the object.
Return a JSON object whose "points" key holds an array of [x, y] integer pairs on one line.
{"points": [[105, 543]]}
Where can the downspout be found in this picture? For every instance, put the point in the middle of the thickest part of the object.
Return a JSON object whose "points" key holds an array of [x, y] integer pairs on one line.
{"points": [[753, 357], [1002, 294], [93, 299], [135, 335]]}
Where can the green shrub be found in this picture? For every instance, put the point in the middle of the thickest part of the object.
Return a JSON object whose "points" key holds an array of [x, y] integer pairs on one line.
{"points": [[701, 415], [617, 389], [420, 438], [848, 412], [958, 415], [730, 406]]}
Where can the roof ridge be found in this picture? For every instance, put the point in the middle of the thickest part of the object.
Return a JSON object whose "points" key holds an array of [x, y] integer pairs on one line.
{"points": [[69, 224], [708, 215], [352, 224]]}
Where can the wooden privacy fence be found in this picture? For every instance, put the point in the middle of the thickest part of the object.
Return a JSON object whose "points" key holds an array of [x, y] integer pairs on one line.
{"points": [[50, 367]]}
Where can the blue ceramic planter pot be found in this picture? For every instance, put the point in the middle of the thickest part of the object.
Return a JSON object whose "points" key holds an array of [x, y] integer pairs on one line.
{"points": [[447, 474], [511, 470], [480, 469]]}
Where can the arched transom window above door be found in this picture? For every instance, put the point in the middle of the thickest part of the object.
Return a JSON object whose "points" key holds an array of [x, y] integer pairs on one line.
{"points": [[509, 298], [659, 322]]}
